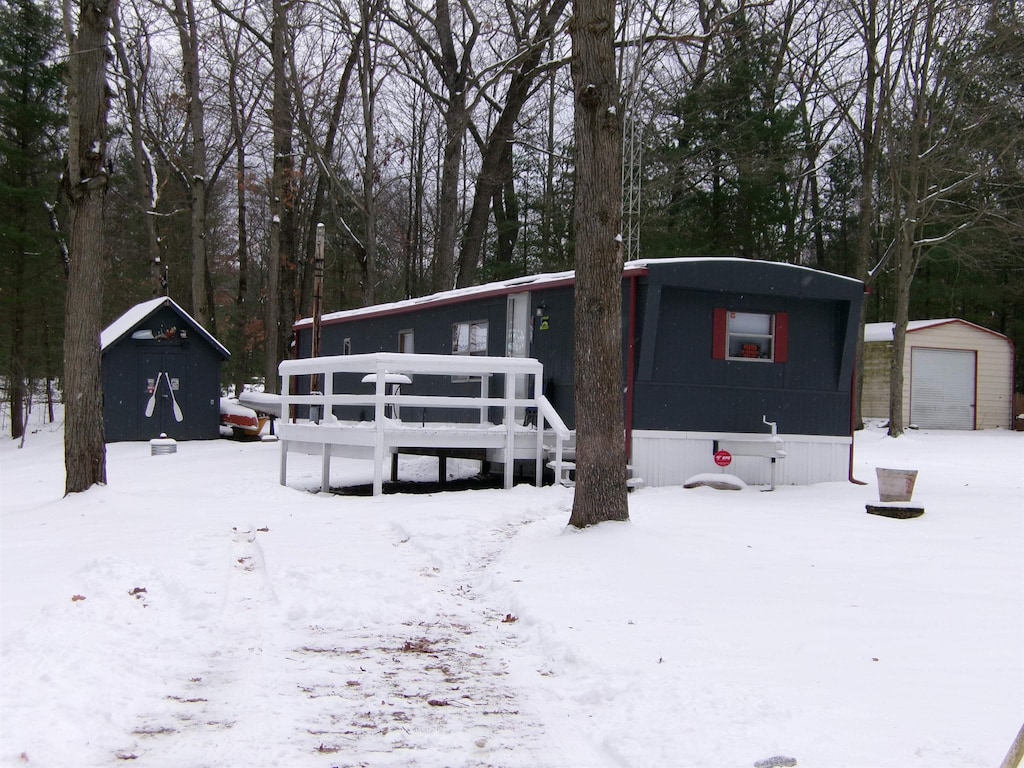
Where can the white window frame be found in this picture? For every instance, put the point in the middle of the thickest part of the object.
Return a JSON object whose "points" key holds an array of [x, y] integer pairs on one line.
{"points": [[407, 341], [745, 330], [475, 330]]}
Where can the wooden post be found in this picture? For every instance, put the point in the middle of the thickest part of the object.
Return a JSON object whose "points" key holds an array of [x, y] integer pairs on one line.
{"points": [[318, 292], [378, 418], [510, 427], [539, 461], [1013, 757]]}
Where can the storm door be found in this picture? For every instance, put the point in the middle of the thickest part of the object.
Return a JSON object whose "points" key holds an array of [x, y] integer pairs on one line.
{"points": [[517, 340]]}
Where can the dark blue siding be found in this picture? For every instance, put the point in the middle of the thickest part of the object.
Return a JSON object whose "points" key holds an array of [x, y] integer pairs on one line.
{"points": [[678, 385]]}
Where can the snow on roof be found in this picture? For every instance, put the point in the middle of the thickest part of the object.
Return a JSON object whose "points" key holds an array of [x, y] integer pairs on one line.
{"points": [[457, 293], [503, 286], [884, 331], [140, 312]]}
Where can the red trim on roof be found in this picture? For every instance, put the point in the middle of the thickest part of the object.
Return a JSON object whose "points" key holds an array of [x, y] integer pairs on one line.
{"points": [[454, 297]]}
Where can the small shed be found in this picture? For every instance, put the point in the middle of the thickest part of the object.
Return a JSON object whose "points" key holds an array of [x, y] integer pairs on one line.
{"points": [[161, 375], [956, 375]]}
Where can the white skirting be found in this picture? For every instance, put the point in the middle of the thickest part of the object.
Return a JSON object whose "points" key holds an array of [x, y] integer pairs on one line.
{"points": [[671, 458]]}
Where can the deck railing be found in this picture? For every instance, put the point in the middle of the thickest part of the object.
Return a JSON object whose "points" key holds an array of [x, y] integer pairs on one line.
{"points": [[382, 369]]}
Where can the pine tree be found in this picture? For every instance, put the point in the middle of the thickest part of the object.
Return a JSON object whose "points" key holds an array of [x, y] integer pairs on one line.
{"points": [[31, 296]]}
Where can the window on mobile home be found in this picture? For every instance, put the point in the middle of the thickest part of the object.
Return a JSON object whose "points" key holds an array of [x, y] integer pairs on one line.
{"points": [[750, 336], [469, 338]]}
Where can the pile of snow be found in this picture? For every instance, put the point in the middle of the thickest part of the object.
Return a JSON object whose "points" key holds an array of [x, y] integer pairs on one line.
{"points": [[194, 612]]}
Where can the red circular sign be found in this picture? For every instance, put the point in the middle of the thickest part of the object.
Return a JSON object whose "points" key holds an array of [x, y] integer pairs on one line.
{"points": [[723, 458]]}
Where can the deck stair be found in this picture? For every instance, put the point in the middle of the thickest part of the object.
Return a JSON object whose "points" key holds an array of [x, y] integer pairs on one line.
{"points": [[565, 470], [561, 459], [633, 481]]}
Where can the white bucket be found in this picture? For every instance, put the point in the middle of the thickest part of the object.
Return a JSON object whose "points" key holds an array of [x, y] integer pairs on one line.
{"points": [[895, 484]]}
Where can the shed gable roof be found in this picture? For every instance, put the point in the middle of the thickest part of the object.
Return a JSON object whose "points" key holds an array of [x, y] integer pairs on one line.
{"points": [[140, 312], [884, 331]]}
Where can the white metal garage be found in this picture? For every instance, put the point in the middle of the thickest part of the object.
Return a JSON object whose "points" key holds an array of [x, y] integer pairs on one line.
{"points": [[956, 375]]}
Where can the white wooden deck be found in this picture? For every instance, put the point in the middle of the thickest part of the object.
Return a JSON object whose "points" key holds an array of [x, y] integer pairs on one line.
{"points": [[379, 439]]}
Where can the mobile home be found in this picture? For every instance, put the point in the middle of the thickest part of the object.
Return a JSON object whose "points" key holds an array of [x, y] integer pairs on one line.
{"points": [[714, 349]]}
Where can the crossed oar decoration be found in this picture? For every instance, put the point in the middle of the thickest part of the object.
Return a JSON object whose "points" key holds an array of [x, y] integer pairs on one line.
{"points": [[151, 405]]}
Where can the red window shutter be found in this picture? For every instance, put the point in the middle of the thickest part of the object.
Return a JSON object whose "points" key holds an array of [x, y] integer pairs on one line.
{"points": [[718, 334], [781, 337]]}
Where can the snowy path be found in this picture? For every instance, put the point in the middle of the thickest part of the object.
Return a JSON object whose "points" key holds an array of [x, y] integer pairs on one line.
{"points": [[404, 690]]}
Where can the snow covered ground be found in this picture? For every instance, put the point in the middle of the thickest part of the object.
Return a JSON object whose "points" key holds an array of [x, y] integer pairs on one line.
{"points": [[717, 628]]}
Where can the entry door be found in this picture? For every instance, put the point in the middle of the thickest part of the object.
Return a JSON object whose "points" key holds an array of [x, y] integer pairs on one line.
{"points": [[163, 403], [517, 340], [942, 388]]}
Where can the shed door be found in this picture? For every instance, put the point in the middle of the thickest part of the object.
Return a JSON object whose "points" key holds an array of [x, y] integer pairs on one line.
{"points": [[162, 376], [942, 388]]}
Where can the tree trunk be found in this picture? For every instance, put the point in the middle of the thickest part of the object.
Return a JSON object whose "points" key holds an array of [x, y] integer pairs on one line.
{"points": [[368, 94], [600, 450], [899, 344], [16, 383], [282, 268], [455, 120], [242, 233], [188, 34], [870, 144], [454, 68], [84, 183]]}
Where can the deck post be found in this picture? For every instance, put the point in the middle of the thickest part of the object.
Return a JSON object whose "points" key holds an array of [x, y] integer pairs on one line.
{"points": [[539, 424], [485, 382], [378, 422], [327, 387], [284, 463], [325, 469], [510, 427], [285, 410]]}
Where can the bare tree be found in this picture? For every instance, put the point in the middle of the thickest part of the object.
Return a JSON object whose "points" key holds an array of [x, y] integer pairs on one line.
{"points": [[925, 131], [600, 452], [244, 95], [84, 184], [876, 21], [194, 174], [446, 41], [134, 82], [495, 173]]}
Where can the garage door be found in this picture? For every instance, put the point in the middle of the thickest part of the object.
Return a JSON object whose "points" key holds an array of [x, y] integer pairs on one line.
{"points": [[942, 388]]}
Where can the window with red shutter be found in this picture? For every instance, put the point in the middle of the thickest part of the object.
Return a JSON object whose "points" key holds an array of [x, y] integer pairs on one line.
{"points": [[750, 336]]}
